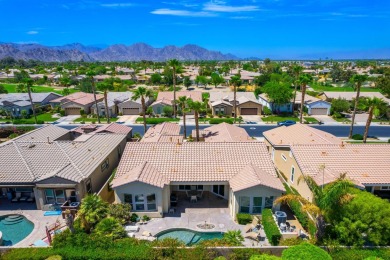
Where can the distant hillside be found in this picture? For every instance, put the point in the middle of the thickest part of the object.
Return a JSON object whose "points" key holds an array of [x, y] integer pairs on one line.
{"points": [[118, 52]]}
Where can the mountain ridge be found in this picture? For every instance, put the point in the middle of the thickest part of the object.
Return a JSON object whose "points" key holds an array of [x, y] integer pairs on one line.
{"points": [[115, 52]]}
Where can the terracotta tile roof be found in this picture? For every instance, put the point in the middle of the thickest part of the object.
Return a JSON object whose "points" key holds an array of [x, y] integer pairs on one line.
{"points": [[224, 132], [162, 133], [168, 95], [229, 96], [27, 160], [251, 176], [79, 98], [351, 95], [145, 173], [299, 134], [112, 128], [364, 163], [41, 134], [193, 161]]}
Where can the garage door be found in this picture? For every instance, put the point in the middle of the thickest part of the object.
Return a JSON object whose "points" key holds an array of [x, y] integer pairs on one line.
{"points": [[248, 111], [319, 111], [72, 111], [130, 111]]}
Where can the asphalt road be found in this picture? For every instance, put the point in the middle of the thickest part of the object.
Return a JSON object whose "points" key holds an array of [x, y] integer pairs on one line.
{"points": [[257, 130]]}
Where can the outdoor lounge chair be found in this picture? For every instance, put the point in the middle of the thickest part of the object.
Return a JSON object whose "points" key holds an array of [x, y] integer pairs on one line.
{"points": [[32, 197], [199, 195], [17, 197], [23, 199], [249, 227], [252, 235], [132, 229]]}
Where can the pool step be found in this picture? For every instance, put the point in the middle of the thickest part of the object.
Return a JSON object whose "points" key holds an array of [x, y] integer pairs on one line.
{"points": [[12, 219], [195, 239]]}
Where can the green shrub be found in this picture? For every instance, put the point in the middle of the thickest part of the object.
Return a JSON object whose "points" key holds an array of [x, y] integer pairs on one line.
{"points": [[264, 257], [243, 218], [145, 218], [62, 112], [220, 120], [357, 137], [291, 242], [360, 254], [134, 217], [267, 111], [305, 251], [270, 227], [110, 227], [168, 111]]}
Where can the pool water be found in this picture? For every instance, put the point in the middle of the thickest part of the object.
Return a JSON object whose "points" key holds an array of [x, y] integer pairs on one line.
{"points": [[187, 236], [15, 228]]}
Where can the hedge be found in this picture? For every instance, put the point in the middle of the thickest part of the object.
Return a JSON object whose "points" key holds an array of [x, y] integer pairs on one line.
{"points": [[270, 227], [214, 121], [243, 218], [305, 251], [156, 120], [359, 254]]}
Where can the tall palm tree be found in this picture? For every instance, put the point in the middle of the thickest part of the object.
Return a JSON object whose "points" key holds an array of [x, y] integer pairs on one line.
{"points": [[183, 103], [197, 107], [91, 75], [236, 81], [174, 63], [357, 80], [373, 105], [296, 71], [105, 87], [142, 93], [29, 83], [326, 200], [304, 79]]}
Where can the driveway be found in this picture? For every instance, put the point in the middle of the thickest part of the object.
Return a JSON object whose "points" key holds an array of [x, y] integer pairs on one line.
{"points": [[129, 119], [255, 119], [361, 118], [67, 119], [325, 119]]}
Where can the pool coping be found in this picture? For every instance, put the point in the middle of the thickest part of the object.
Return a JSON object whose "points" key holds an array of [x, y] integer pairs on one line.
{"points": [[26, 216], [199, 231]]}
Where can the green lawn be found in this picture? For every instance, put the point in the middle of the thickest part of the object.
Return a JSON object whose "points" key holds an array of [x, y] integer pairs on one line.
{"points": [[279, 118], [310, 120], [213, 121], [157, 120], [11, 88], [42, 118], [90, 120], [341, 89]]}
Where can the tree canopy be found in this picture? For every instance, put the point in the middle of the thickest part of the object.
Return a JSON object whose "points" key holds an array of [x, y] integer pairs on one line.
{"points": [[278, 93]]}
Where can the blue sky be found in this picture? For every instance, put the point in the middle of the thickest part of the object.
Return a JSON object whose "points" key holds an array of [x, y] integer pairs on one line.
{"points": [[261, 28]]}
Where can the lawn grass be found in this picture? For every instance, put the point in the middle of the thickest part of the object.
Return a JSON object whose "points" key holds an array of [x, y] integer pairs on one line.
{"points": [[90, 120], [11, 88], [42, 118], [279, 118], [156, 120], [214, 121], [310, 120]]}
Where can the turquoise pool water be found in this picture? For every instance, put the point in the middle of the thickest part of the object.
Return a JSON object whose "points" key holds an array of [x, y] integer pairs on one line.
{"points": [[189, 237], [14, 228]]}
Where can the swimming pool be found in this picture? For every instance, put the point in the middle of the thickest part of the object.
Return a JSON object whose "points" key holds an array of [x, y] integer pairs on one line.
{"points": [[187, 236], [15, 228]]}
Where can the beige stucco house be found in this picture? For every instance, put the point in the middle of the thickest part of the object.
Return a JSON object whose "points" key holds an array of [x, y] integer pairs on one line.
{"points": [[222, 103], [74, 103], [242, 174], [223, 132], [52, 165], [165, 98]]}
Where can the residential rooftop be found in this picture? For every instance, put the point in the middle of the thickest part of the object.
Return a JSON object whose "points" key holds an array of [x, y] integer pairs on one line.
{"points": [[164, 132], [223, 132], [81, 98], [168, 95]]}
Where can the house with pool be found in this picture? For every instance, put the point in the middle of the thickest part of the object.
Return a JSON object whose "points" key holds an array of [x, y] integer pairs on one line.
{"points": [[157, 177], [52, 165]]}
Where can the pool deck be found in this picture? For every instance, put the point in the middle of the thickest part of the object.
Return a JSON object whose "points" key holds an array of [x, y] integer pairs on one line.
{"points": [[210, 208], [31, 213]]}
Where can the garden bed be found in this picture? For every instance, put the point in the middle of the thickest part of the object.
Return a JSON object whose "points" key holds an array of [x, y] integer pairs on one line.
{"points": [[156, 120]]}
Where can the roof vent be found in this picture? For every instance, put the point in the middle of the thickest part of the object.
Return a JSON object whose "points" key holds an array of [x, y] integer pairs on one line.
{"points": [[48, 140], [31, 145], [324, 153], [342, 144]]}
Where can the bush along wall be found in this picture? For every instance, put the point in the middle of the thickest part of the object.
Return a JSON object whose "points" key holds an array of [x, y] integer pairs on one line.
{"points": [[271, 229]]}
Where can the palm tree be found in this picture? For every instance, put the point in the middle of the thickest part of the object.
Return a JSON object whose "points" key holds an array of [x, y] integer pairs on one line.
{"points": [[91, 75], [174, 64], [304, 79], [142, 93], [296, 71], [29, 82], [197, 107], [373, 105], [92, 210], [326, 200], [357, 80], [236, 81], [183, 103], [105, 87]]}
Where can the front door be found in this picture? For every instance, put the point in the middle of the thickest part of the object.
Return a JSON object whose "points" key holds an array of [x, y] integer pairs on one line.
{"points": [[219, 190]]}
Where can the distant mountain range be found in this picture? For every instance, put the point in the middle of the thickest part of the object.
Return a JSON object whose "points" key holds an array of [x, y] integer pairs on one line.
{"points": [[117, 52]]}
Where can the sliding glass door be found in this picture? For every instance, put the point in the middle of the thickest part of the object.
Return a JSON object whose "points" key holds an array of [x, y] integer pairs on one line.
{"points": [[219, 190]]}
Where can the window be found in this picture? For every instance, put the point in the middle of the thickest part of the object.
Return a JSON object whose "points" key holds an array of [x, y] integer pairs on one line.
{"points": [[385, 188], [244, 204], [88, 186], [190, 187], [269, 202], [257, 204], [105, 165], [60, 196], [284, 157], [128, 198], [292, 174], [50, 196], [151, 202], [139, 202], [219, 190]]}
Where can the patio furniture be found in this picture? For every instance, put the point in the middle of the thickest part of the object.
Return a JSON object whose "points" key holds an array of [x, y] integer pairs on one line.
{"points": [[173, 200], [31, 198], [132, 228], [199, 194], [23, 198], [146, 234], [17, 197], [172, 210], [130, 234], [193, 199], [283, 227], [249, 227]]}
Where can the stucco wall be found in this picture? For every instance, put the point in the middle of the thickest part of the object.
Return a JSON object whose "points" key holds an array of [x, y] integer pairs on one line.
{"points": [[72, 104], [249, 104], [228, 109], [319, 104]]}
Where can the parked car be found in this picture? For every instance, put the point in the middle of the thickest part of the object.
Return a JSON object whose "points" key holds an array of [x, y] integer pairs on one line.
{"points": [[286, 123]]}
